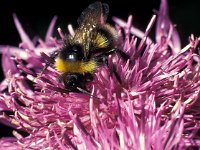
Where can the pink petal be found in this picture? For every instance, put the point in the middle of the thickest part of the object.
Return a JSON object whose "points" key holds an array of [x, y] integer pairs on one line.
{"points": [[22, 33], [163, 27], [50, 29], [15, 51], [71, 30], [135, 31], [8, 64]]}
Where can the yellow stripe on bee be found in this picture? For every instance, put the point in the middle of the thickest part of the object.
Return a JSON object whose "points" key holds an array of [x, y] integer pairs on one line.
{"points": [[101, 41], [75, 67]]}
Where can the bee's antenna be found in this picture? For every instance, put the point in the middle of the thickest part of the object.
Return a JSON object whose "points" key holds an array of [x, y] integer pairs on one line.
{"points": [[44, 69], [49, 60]]}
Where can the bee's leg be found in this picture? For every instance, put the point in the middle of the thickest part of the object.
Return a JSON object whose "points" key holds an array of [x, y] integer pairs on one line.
{"points": [[49, 60], [77, 89], [125, 57], [122, 54], [114, 71], [88, 77], [103, 59]]}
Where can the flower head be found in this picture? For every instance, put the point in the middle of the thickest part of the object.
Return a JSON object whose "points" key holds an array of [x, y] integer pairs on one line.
{"points": [[154, 107]]}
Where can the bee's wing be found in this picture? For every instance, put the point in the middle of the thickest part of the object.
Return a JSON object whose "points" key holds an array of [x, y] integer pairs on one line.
{"points": [[96, 13]]}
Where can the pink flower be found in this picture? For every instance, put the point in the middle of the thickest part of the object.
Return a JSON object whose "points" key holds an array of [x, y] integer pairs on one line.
{"points": [[155, 107]]}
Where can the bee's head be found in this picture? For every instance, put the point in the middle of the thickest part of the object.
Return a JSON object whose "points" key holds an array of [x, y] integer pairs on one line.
{"points": [[72, 81], [72, 53]]}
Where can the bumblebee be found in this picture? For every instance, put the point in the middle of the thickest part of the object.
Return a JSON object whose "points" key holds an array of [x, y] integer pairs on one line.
{"points": [[89, 48]]}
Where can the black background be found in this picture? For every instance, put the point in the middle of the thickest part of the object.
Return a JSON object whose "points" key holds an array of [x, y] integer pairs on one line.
{"points": [[35, 17]]}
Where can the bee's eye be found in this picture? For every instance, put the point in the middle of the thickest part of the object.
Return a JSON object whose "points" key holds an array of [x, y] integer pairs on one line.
{"points": [[72, 57], [72, 53]]}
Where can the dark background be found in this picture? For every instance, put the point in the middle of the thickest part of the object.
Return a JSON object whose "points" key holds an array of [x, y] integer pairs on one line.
{"points": [[35, 17]]}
